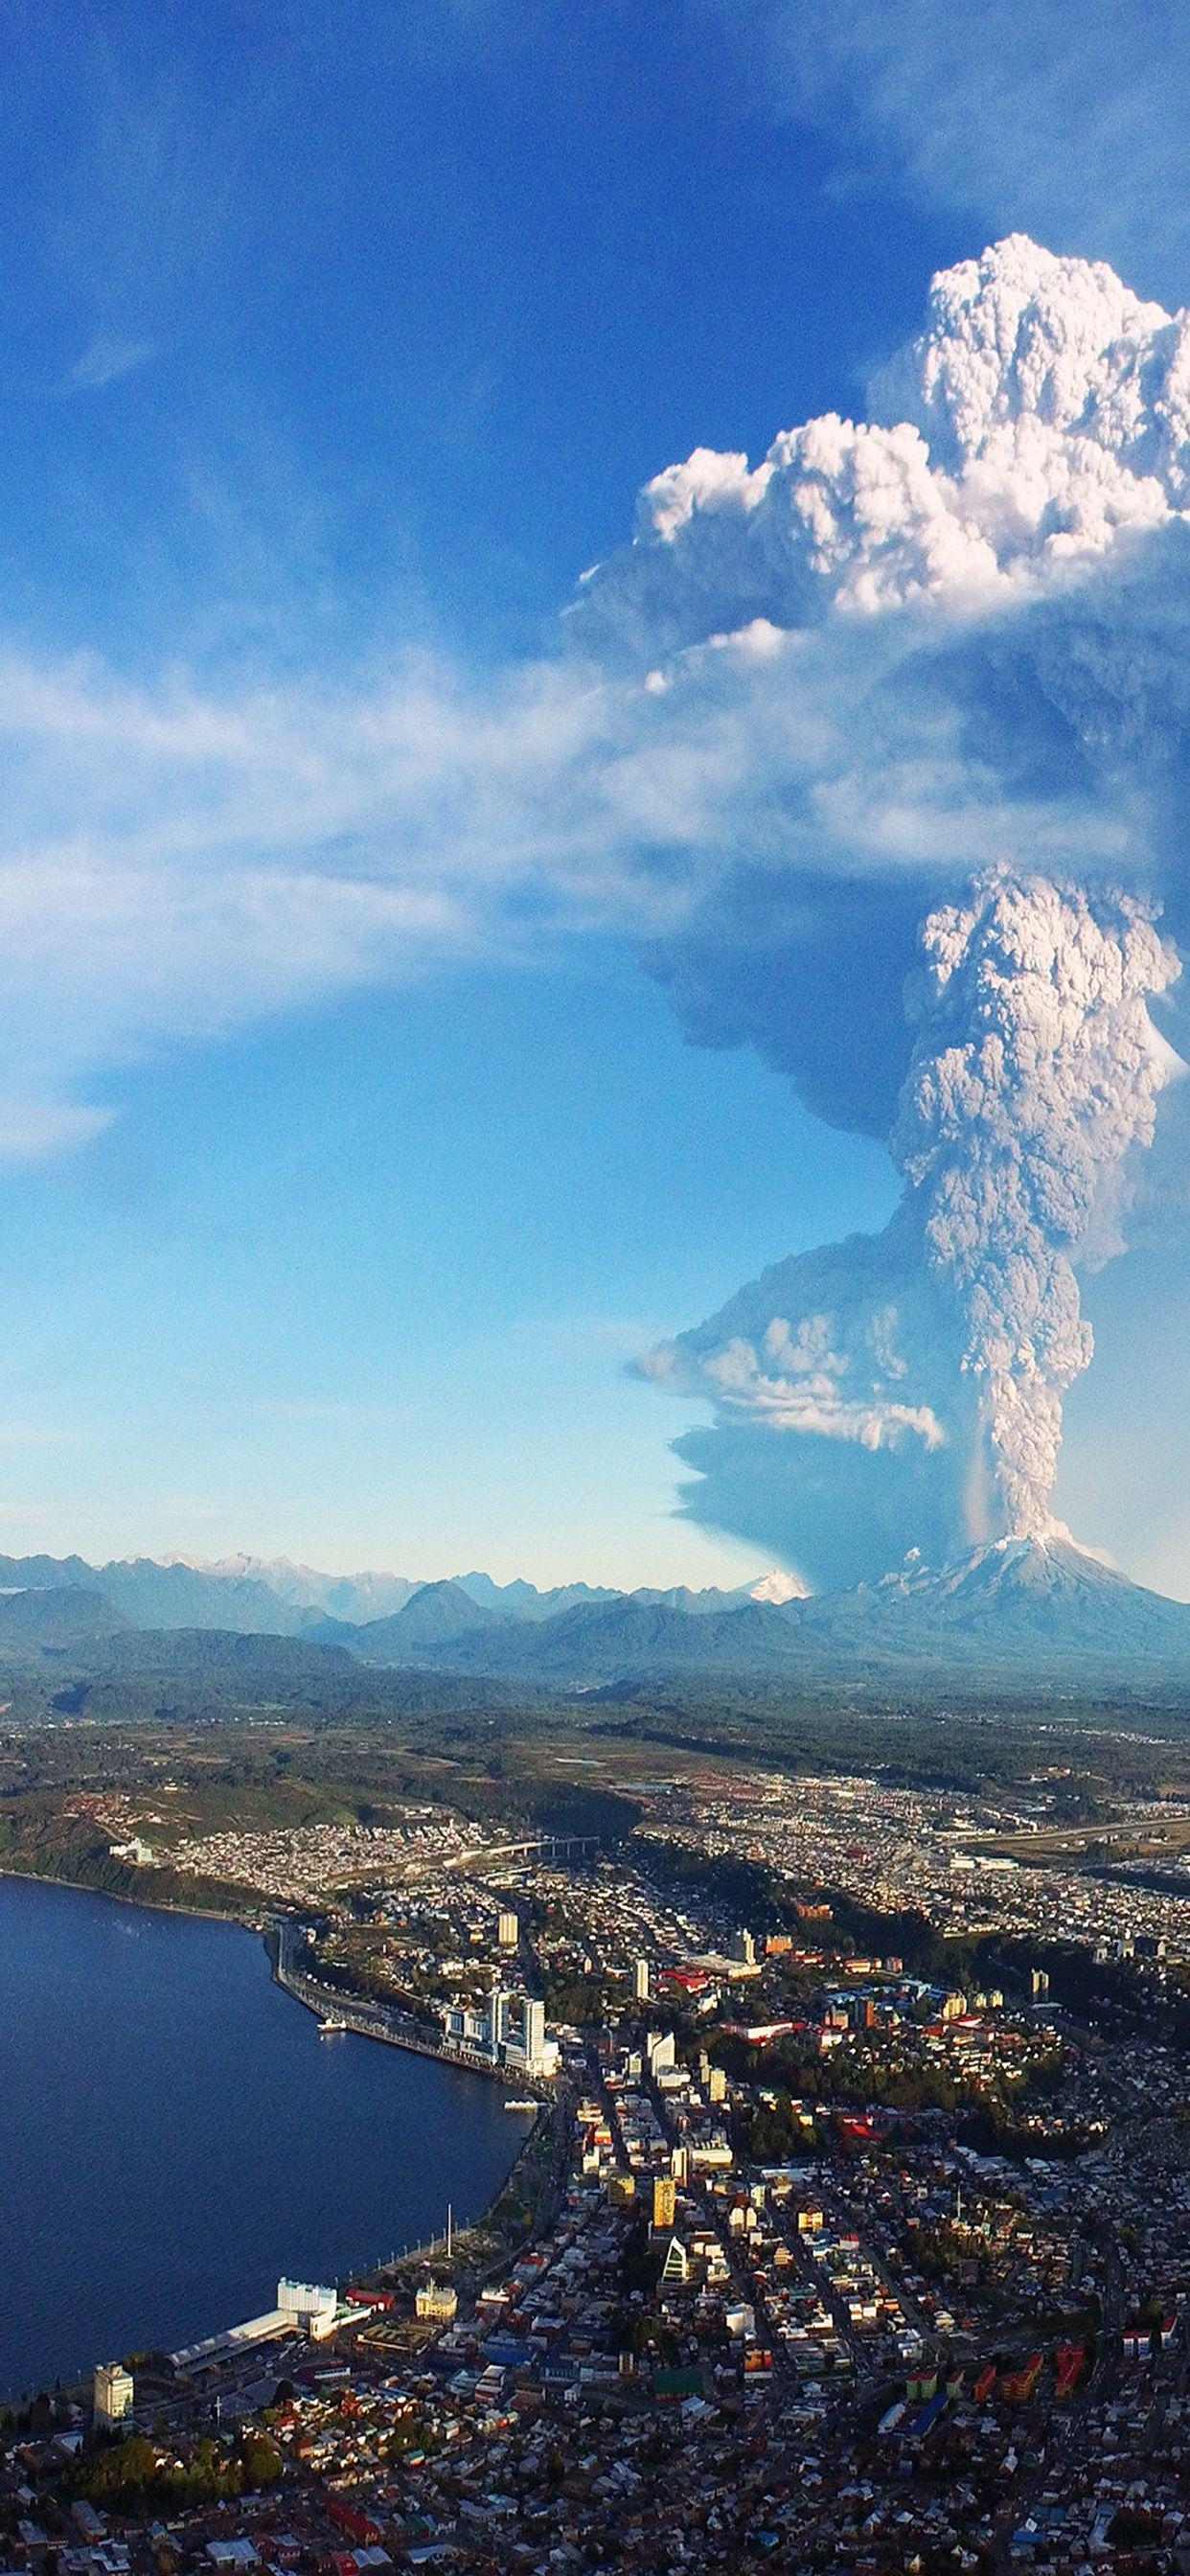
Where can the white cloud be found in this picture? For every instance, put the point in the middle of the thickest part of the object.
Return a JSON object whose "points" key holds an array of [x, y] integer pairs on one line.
{"points": [[32, 1130], [1042, 415]]}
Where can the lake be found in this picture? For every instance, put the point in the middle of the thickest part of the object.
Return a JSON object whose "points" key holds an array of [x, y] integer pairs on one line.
{"points": [[175, 2135]]}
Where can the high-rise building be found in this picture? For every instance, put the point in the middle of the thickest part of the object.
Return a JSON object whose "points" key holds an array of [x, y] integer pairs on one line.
{"points": [[534, 2021], [112, 2393], [665, 2200], [640, 1980], [514, 2032], [508, 1929], [676, 2266]]}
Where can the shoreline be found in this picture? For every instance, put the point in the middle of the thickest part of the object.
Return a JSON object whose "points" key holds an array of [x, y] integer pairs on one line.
{"points": [[120, 1896], [430, 2250], [267, 1933]]}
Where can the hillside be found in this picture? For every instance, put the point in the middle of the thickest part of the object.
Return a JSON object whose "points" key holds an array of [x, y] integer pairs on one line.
{"points": [[55, 1619], [203, 1673]]}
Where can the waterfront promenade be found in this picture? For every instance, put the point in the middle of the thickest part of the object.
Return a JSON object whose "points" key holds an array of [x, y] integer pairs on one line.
{"points": [[472, 2248], [371, 2020]]}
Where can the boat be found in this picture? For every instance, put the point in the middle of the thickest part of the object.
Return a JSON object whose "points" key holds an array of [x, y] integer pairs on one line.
{"points": [[526, 2105], [330, 2025]]}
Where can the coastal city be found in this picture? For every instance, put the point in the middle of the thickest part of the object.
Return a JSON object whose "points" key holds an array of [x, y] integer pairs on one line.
{"points": [[847, 2220], [594, 1410]]}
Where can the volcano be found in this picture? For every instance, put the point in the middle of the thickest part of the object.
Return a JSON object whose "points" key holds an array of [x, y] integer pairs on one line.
{"points": [[1041, 1607], [1030, 1613]]}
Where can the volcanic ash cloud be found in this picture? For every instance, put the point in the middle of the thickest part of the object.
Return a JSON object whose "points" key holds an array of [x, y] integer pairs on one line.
{"points": [[974, 610], [1035, 1070]]}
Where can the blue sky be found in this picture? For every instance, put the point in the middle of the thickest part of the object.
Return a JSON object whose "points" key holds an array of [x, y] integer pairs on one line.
{"points": [[384, 1272], [337, 345]]}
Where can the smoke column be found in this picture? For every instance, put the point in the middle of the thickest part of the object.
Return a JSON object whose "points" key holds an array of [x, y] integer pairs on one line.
{"points": [[1036, 1068], [947, 647], [939, 1352]]}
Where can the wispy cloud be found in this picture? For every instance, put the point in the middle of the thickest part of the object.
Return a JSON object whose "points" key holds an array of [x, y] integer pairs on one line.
{"points": [[107, 357], [1066, 118], [32, 1129], [133, 208], [174, 864]]}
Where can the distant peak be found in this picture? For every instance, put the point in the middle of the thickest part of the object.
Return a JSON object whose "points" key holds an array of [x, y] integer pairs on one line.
{"points": [[776, 1586]]}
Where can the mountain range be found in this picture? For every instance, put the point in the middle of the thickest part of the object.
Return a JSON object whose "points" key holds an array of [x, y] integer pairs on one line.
{"points": [[258, 1596], [1023, 1613]]}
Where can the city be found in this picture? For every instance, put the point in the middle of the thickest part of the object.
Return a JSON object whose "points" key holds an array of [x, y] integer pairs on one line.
{"points": [[815, 2251]]}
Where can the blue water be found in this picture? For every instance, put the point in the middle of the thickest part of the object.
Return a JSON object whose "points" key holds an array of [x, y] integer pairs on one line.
{"points": [[175, 2135]]}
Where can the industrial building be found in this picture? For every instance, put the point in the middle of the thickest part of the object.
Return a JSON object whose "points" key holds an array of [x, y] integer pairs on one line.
{"points": [[303, 2307]]}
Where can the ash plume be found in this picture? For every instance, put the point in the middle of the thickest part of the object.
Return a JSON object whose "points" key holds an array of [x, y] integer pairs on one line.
{"points": [[945, 1345], [1036, 1068], [970, 616]]}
